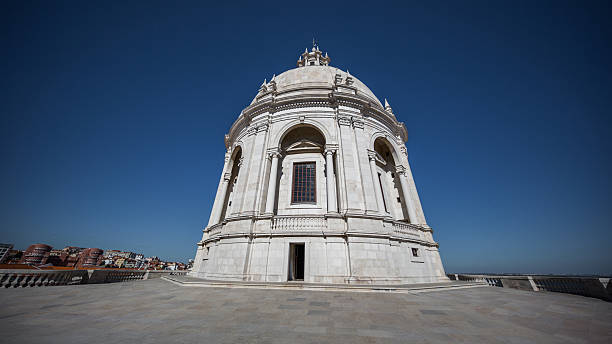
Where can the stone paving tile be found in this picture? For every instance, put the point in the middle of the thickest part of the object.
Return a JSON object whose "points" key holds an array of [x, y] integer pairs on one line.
{"points": [[156, 311]]}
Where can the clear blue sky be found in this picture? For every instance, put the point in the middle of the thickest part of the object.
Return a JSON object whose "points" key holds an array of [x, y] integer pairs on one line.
{"points": [[113, 116]]}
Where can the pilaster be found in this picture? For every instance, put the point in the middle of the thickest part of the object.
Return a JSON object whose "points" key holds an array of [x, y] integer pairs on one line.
{"points": [[352, 175], [257, 158]]}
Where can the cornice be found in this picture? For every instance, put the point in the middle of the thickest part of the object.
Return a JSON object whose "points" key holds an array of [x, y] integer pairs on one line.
{"points": [[349, 235], [272, 103]]}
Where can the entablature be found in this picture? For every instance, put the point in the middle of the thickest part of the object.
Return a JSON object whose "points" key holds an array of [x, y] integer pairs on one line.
{"points": [[333, 100]]}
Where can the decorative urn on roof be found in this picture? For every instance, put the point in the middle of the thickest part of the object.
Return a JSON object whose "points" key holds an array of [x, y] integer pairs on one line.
{"points": [[317, 187]]}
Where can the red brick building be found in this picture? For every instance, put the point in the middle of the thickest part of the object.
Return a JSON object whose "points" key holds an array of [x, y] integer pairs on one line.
{"points": [[36, 254], [90, 257]]}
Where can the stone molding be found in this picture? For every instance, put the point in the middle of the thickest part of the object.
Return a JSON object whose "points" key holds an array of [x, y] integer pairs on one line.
{"points": [[327, 99], [273, 152], [344, 120], [384, 219], [401, 170], [404, 150], [371, 154], [263, 128], [331, 147]]}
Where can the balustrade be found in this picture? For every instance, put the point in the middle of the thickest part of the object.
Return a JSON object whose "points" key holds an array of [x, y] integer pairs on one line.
{"points": [[301, 223], [406, 229], [215, 230], [33, 278], [10, 278]]}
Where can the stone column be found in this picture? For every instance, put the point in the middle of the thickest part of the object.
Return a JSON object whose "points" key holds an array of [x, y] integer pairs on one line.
{"points": [[332, 203], [219, 187], [376, 182], [401, 171], [272, 183], [221, 200]]}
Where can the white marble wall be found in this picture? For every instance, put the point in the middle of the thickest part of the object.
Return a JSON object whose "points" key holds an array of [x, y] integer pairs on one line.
{"points": [[328, 260], [358, 243]]}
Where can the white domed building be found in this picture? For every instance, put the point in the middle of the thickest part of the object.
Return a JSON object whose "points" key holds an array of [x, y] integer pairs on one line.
{"points": [[316, 187]]}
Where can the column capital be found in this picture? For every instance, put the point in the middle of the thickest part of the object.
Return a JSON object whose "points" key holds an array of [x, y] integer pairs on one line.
{"points": [[358, 124], [404, 150], [264, 127], [371, 154], [331, 146], [330, 150], [273, 152], [344, 120], [401, 170]]}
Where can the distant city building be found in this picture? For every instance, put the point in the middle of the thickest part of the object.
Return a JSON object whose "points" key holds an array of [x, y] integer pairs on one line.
{"points": [[13, 257], [57, 258], [111, 253], [90, 257], [83, 258], [36, 254], [73, 249], [119, 262], [122, 254], [133, 263], [127, 254], [4, 251]]}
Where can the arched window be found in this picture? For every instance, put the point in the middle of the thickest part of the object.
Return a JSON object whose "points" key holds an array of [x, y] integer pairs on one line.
{"points": [[393, 198], [229, 196], [301, 174]]}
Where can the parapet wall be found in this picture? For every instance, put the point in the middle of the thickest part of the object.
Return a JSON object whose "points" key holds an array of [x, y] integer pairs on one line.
{"points": [[600, 288], [14, 278]]}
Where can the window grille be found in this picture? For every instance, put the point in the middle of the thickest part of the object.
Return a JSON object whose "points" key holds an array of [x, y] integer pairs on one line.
{"points": [[304, 183]]}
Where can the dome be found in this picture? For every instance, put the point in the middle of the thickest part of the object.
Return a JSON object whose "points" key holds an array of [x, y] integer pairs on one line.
{"points": [[322, 76], [316, 187], [313, 71]]}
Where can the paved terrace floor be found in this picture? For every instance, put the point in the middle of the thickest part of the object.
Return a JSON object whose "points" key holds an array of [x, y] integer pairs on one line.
{"points": [[157, 311]]}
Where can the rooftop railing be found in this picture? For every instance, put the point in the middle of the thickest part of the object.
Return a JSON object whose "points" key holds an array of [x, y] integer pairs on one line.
{"points": [[15, 278], [600, 288]]}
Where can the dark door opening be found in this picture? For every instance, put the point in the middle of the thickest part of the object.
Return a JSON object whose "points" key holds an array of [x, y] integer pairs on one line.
{"points": [[296, 262]]}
